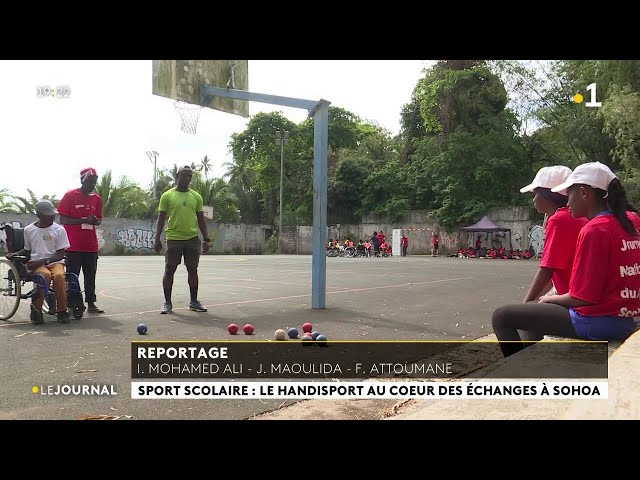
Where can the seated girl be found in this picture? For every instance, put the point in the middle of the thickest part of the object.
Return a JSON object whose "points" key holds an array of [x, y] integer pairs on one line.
{"points": [[604, 267]]}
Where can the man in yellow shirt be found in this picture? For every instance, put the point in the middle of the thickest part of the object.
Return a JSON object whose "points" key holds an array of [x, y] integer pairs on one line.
{"points": [[183, 208]]}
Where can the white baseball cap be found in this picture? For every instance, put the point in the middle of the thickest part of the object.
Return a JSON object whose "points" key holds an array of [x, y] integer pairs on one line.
{"points": [[594, 174], [548, 177]]}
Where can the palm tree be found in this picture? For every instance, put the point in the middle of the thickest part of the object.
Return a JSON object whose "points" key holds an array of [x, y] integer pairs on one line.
{"points": [[166, 180], [29, 204], [110, 193], [174, 173], [240, 173], [133, 201], [217, 193], [174, 170], [205, 166], [225, 202], [7, 202]]}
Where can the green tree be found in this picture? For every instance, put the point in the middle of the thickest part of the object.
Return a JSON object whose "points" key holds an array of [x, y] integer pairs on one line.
{"points": [[621, 118], [7, 202], [384, 191], [463, 152], [346, 187], [240, 173], [256, 160], [133, 201], [218, 194], [111, 193], [548, 89], [28, 204]]}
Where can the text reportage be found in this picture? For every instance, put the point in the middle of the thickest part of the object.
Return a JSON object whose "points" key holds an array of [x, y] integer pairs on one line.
{"points": [[182, 352]]}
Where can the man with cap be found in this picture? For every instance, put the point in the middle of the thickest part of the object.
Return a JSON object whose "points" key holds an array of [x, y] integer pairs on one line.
{"points": [[80, 213], [561, 232], [182, 209], [45, 242]]}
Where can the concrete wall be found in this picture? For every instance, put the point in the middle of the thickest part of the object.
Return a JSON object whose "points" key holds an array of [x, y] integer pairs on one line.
{"points": [[118, 236], [521, 222], [418, 226]]}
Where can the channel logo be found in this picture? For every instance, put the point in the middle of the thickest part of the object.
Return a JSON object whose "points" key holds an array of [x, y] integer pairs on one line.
{"points": [[94, 390]]}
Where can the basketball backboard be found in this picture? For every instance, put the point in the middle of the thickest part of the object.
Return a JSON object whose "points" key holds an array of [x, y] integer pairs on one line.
{"points": [[181, 80]]}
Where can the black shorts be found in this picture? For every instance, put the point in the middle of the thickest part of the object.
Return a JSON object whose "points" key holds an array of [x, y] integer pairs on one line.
{"points": [[177, 248]]}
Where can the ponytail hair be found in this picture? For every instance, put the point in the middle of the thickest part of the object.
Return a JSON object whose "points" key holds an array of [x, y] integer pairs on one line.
{"points": [[617, 201]]}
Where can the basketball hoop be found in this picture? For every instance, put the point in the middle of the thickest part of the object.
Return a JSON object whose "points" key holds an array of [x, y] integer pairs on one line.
{"points": [[189, 115]]}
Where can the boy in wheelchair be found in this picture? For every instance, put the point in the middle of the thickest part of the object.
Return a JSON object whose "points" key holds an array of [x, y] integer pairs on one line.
{"points": [[45, 242]]}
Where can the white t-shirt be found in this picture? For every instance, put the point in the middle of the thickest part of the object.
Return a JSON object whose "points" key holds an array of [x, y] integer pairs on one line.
{"points": [[45, 242]]}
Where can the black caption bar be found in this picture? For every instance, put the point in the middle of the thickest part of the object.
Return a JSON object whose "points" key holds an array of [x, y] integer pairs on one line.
{"points": [[360, 360]]}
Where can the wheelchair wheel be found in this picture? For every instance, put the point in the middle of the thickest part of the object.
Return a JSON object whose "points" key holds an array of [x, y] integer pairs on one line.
{"points": [[78, 312], [9, 289]]}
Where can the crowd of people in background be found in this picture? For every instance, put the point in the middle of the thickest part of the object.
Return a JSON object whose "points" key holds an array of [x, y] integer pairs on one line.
{"points": [[376, 246], [493, 252]]}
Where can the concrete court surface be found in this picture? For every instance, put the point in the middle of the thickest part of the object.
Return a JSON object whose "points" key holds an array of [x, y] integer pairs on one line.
{"points": [[399, 298]]}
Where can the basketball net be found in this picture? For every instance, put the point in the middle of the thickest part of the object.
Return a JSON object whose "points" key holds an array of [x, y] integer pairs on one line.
{"points": [[189, 115]]}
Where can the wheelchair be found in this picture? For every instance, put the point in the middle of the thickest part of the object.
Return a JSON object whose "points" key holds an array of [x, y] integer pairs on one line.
{"points": [[14, 276], [333, 252]]}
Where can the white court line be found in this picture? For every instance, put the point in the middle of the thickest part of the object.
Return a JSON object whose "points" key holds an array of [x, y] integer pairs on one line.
{"points": [[282, 283], [156, 285], [102, 294], [237, 286], [269, 299]]}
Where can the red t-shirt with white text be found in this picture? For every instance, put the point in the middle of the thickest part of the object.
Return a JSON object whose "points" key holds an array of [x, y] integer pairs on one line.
{"points": [[635, 219], [606, 270], [76, 204], [561, 236]]}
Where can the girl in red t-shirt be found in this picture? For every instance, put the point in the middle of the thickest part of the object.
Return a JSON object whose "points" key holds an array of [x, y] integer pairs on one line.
{"points": [[604, 288]]}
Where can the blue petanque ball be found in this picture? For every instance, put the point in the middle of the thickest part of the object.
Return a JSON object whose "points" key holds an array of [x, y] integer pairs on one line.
{"points": [[142, 329], [314, 335], [292, 332], [322, 340]]}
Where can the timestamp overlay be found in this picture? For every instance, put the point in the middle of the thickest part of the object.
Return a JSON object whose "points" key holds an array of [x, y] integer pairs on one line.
{"points": [[48, 91]]}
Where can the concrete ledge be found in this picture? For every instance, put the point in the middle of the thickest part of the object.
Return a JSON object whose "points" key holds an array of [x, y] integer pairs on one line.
{"points": [[612, 347], [624, 388], [513, 409]]}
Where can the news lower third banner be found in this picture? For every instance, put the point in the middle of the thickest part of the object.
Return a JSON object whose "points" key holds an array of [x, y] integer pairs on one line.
{"points": [[371, 390], [264, 360]]}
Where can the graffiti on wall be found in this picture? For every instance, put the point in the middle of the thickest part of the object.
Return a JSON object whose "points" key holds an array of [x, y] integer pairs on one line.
{"points": [[516, 241], [536, 238], [447, 240], [101, 241], [136, 238], [3, 234]]}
